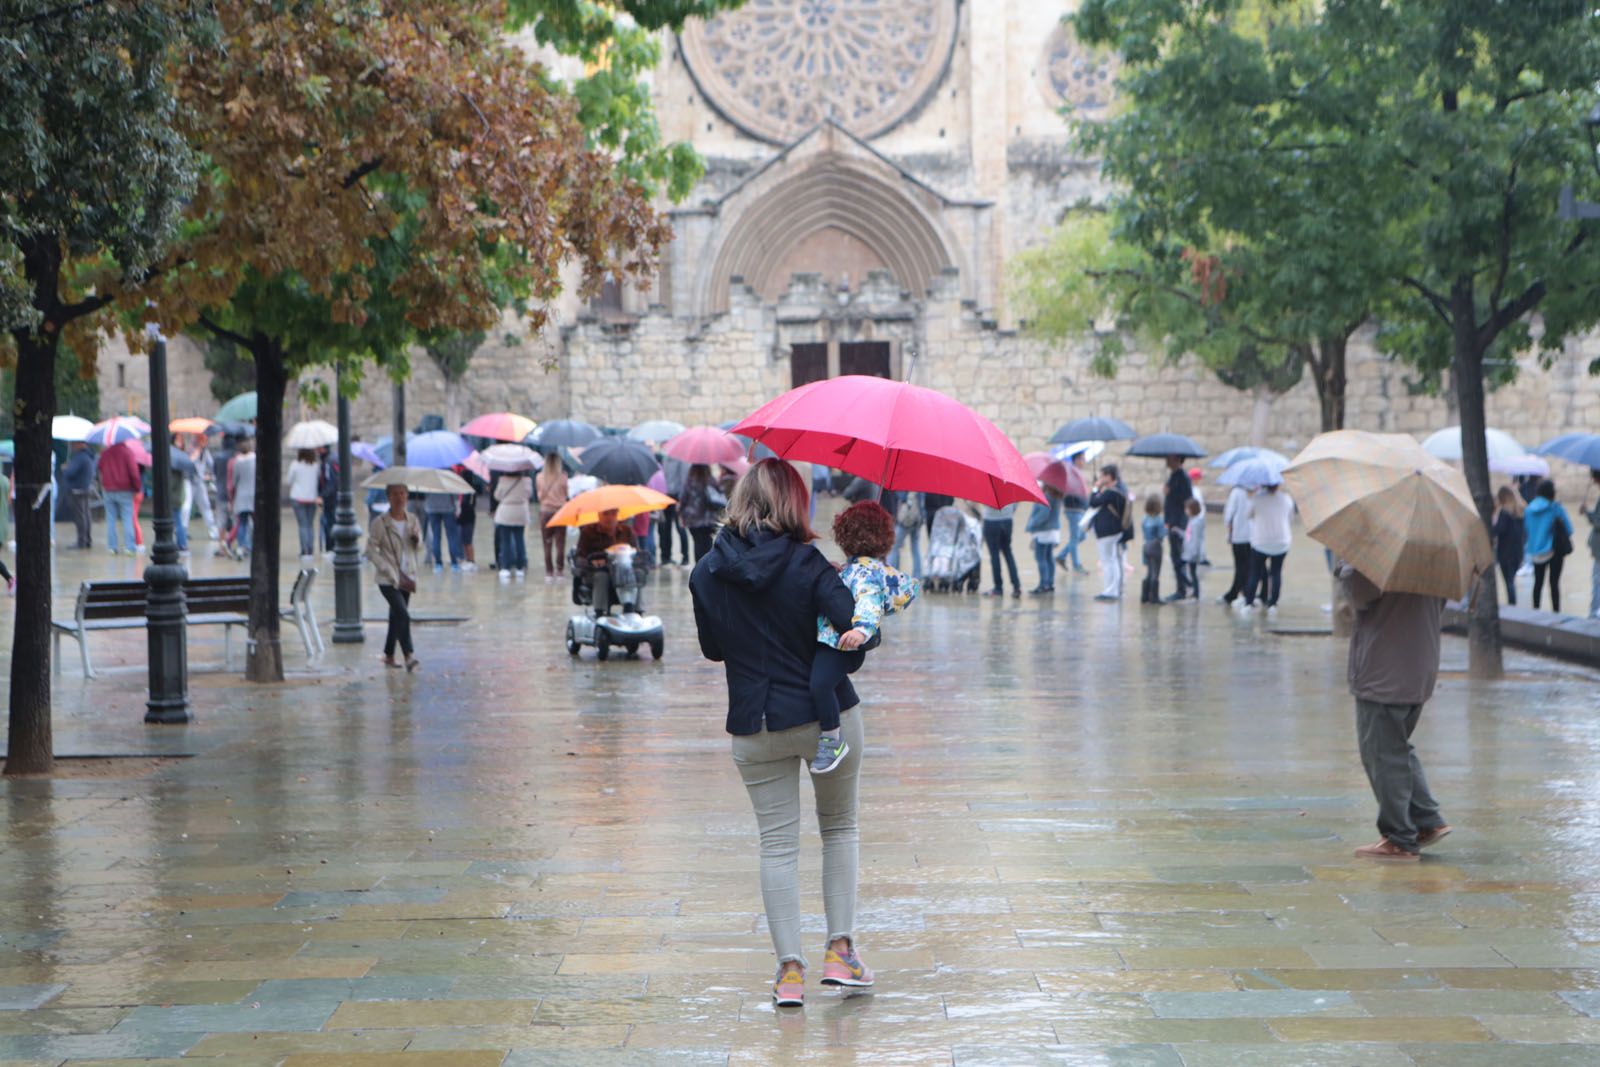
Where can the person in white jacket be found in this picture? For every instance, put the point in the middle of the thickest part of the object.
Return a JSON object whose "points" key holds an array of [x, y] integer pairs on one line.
{"points": [[512, 495]]}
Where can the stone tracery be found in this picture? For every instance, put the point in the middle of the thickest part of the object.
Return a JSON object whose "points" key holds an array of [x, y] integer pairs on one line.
{"points": [[776, 68]]}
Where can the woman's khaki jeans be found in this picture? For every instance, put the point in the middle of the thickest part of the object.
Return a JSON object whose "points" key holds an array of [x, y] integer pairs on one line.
{"points": [[771, 766]]}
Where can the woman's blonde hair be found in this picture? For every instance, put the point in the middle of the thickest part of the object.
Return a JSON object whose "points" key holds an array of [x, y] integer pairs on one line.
{"points": [[771, 495]]}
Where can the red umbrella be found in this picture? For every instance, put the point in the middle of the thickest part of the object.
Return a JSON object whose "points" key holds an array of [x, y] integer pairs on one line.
{"points": [[704, 444], [897, 435], [1053, 472]]}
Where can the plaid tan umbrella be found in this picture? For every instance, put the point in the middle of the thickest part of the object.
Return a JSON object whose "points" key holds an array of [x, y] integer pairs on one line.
{"points": [[1399, 516]]}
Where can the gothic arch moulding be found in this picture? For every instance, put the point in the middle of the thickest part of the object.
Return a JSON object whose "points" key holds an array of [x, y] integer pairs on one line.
{"points": [[828, 195], [776, 68]]}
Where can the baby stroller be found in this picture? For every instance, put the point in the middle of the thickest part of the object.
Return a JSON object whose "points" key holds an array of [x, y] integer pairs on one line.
{"points": [[955, 558]]}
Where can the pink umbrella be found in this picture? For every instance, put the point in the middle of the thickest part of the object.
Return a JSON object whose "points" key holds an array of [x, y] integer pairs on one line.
{"points": [[500, 426], [141, 454], [704, 444], [897, 435], [1053, 472]]}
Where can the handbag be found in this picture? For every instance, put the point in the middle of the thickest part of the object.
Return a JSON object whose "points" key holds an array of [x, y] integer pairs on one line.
{"points": [[403, 581], [1560, 539]]}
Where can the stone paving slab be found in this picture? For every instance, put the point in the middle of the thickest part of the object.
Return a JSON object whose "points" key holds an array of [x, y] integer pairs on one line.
{"points": [[1090, 835]]}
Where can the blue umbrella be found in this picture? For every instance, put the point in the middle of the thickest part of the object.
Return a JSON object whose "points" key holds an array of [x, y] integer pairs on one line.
{"points": [[1244, 452], [437, 449], [1158, 445], [362, 450], [562, 433], [1096, 428], [1254, 473], [1580, 448]]}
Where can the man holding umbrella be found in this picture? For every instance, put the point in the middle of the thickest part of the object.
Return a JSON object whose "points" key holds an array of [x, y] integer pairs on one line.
{"points": [[1408, 536], [1394, 662]]}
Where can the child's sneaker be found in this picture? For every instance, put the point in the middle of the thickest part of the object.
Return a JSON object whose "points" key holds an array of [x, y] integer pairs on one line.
{"points": [[845, 969], [830, 750], [789, 991]]}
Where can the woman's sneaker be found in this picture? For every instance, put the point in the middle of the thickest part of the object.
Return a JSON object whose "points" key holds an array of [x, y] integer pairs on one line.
{"points": [[830, 750], [789, 991], [845, 969]]}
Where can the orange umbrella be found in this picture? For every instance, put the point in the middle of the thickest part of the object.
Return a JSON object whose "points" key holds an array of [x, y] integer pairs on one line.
{"points": [[193, 425], [626, 500]]}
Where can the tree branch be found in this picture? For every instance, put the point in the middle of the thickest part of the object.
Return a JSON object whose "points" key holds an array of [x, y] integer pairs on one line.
{"points": [[1437, 302], [1513, 311], [355, 176], [223, 332], [87, 306]]}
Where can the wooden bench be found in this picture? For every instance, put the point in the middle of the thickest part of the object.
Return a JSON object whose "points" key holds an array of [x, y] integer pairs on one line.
{"points": [[121, 605]]}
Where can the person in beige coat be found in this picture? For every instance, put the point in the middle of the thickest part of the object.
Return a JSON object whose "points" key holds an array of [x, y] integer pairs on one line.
{"points": [[552, 494], [512, 495], [393, 540]]}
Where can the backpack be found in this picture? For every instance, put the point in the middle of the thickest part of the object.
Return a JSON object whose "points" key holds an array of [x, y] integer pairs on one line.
{"points": [[1560, 539], [909, 514], [1127, 520]]}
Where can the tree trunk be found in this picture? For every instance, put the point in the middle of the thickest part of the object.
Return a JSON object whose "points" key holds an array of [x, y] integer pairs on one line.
{"points": [[1329, 370], [265, 663], [31, 748], [1450, 391], [452, 403], [1483, 625], [1262, 397]]}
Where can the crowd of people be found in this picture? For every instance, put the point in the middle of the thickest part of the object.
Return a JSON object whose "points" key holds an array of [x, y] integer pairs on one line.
{"points": [[1534, 534]]}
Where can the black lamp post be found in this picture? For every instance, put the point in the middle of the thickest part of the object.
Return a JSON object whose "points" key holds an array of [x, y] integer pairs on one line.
{"points": [[1571, 208], [166, 613], [347, 627]]}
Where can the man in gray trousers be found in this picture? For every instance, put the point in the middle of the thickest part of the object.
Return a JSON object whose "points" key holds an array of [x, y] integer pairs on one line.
{"points": [[1394, 661]]}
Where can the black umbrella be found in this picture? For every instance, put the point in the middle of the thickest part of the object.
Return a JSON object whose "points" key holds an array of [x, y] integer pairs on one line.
{"points": [[1166, 444], [1096, 428], [619, 461], [561, 433]]}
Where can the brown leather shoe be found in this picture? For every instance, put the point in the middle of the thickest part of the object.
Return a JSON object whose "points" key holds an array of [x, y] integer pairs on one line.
{"points": [[1432, 835], [1384, 849]]}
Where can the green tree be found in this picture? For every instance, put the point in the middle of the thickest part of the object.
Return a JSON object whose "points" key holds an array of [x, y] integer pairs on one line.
{"points": [[1219, 159], [231, 370], [92, 184], [1476, 125], [452, 354]]}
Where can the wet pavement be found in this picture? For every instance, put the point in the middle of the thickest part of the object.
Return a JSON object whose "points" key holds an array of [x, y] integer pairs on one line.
{"points": [[1091, 834]]}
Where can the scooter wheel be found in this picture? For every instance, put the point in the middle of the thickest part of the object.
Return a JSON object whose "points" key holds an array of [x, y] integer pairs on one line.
{"points": [[572, 640], [602, 645], [632, 647], [656, 647]]}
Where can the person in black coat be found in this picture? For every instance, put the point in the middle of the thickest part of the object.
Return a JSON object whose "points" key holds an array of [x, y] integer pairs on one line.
{"points": [[1110, 501], [758, 595], [1179, 491]]}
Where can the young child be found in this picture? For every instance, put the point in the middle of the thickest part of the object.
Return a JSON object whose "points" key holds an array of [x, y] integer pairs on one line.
{"points": [[865, 531], [1155, 539], [1194, 543]]}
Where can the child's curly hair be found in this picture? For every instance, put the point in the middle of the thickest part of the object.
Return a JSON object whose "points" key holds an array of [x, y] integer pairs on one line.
{"points": [[864, 529]]}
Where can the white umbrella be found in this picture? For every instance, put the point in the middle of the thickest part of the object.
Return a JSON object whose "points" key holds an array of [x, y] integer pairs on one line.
{"points": [[1446, 444], [70, 428], [508, 458], [419, 480], [1255, 473], [1521, 466], [313, 434], [1087, 449]]}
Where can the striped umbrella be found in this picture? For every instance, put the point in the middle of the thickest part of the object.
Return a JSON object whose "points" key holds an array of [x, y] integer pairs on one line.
{"points": [[1396, 514], [116, 430]]}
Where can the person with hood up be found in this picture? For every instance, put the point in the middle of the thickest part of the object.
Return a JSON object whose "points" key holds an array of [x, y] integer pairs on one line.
{"points": [[758, 595]]}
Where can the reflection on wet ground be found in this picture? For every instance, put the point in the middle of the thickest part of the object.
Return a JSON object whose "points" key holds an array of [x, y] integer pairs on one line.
{"points": [[1090, 835]]}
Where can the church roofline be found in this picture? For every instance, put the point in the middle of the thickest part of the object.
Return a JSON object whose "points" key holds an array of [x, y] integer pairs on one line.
{"points": [[713, 207]]}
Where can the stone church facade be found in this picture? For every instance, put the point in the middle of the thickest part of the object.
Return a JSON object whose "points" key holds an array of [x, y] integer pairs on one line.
{"points": [[873, 166]]}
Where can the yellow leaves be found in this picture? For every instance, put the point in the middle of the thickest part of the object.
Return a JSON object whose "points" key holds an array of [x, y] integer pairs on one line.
{"points": [[240, 109]]}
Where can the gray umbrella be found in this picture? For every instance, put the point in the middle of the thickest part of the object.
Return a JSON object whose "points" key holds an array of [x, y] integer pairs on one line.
{"points": [[562, 433], [1166, 444], [619, 461], [1095, 428]]}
